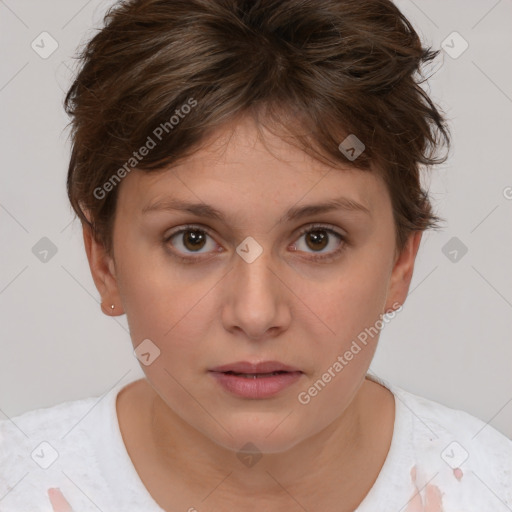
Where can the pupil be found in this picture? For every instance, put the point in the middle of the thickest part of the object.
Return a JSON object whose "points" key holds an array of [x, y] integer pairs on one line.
{"points": [[318, 237], [193, 239]]}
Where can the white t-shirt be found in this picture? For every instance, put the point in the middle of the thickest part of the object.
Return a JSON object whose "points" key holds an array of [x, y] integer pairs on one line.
{"points": [[440, 460]]}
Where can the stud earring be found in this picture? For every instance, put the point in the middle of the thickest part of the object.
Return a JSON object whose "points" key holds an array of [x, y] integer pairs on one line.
{"points": [[104, 307]]}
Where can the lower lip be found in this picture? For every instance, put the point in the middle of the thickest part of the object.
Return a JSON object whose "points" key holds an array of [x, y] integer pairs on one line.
{"points": [[259, 387]]}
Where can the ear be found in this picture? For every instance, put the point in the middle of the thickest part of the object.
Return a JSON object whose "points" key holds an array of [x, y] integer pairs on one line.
{"points": [[402, 273], [103, 273]]}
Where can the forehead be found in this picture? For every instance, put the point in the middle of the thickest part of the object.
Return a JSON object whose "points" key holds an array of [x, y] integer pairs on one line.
{"points": [[249, 163]]}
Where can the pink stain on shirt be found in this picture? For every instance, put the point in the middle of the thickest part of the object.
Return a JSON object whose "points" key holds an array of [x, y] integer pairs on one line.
{"points": [[431, 501], [458, 473], [59, 503]]}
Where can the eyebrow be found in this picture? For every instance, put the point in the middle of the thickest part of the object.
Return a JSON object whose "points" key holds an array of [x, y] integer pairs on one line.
{"points": [[294, 213]]}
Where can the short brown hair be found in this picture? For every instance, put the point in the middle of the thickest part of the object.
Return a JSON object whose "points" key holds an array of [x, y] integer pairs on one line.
{"points": [[320, 69]]}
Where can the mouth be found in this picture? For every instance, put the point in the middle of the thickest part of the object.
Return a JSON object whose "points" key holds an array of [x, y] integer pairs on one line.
{"points": [[256, 380], [265, 368], [256, 375]]}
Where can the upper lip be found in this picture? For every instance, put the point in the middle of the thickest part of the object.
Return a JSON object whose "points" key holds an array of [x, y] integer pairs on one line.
{"points": [[262, 367]]}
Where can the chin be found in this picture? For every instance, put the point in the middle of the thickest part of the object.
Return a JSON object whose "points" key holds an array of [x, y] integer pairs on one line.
{"points": [[262, 438]]}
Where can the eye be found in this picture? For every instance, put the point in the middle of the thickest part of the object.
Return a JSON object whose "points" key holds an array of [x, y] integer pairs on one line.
{"points": [[191, 240], [317, 238]]}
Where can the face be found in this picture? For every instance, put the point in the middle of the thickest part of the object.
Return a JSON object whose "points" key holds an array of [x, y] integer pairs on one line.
{"points": [[262, 280]]}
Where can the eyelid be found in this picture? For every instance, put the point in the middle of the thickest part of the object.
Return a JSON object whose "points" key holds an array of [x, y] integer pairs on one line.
{"points": [[300, 231], [320, 225], [185, 227]]}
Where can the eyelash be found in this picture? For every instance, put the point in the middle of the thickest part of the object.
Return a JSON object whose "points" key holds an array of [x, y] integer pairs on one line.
{"points": [[311, 228]]}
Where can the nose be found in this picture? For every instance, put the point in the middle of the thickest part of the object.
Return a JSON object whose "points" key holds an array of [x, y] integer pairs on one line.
{"points": [[256, 298]]}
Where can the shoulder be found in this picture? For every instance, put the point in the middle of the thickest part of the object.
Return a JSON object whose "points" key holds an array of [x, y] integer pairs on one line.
{"points": [[467, 457], [445, 423], [36, 445], [45, 418], [53, 423]]}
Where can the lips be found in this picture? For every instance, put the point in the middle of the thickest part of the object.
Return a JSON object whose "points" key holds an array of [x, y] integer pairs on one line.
{"points": [[247, 368], [255, 381]]}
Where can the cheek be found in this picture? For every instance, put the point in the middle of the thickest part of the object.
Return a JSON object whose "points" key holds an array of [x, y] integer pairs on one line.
{"points": [[151, 287], [352, 300], [170, 310]]}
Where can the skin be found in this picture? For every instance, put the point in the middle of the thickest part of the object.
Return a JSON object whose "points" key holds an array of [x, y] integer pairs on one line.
{"points": [[182, 430]]}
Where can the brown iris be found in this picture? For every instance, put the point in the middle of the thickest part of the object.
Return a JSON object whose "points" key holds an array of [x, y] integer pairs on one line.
{"points": [[318, 239], [194, 239]]}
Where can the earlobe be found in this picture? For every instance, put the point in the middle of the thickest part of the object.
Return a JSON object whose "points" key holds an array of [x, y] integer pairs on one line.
{"points": [[108, 309], [103, 273]]}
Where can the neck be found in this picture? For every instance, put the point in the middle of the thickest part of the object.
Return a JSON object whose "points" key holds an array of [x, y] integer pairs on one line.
{"points": [[333, 463]]}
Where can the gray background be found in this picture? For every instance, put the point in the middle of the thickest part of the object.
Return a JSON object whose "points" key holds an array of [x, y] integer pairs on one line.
{"points": [[451, 342]]}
